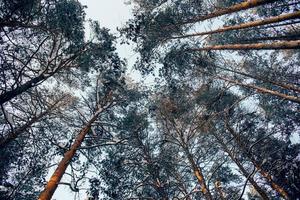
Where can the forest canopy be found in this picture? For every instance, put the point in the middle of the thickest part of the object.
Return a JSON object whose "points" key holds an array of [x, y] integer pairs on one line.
{"points": [[221, 121]]}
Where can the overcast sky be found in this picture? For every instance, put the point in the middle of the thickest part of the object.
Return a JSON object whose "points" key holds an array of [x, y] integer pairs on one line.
{"points": [[112, 14]]}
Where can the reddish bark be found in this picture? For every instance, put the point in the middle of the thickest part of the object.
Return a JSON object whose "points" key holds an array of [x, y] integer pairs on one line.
{"points": [[270, 20], [64, 163], [256, 46]]}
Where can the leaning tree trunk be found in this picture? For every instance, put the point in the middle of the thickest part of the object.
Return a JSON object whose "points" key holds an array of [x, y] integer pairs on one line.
{"points": [[273, 38], [280, 84], [199, 175], [232, 9], [7, 96], [15, 133], [256, 46], [294, 22], [196, 169], [52, 184], [15, 24], [262, 90], [270, 20], [264, 174], [246, 174]]}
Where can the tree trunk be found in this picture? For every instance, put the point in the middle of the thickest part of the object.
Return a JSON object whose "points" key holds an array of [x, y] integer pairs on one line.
{"points": [[264, 174], [7, 96], [256, 46], [199, 175], [232, 9], [261, 192], [246, 25], [268, 177], [62, 166], [15, 24], [282, 85], [196, 169], [14, 134], [262, 90], [271, 38], [289, 23]]}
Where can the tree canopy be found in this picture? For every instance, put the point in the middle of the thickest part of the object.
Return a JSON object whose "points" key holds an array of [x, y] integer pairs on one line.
{"points": [[220, 122]]}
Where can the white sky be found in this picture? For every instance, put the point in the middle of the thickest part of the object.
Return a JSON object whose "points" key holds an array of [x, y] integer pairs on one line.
{"points": [[112, 14]]}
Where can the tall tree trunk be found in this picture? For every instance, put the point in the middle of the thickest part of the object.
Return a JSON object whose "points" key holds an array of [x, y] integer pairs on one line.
{"points": [[196, 169], [273, 38], [264, 174], [16, 24], [262, 90], [256, 46], [199, 175], [7, 96], [14, 134], [282, 85], [260, 191], [270, 20], [232, 9], [52, 184], [289, 23]]}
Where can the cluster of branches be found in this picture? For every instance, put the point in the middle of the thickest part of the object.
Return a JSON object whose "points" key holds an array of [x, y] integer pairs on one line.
{"points": [[55, 85], [224, 123], [221, 126]]}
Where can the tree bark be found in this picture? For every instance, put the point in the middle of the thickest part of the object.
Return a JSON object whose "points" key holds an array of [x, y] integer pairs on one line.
{"points": [[7, 96], [282, 85], [261, 192], [14, 134], [289, 23], [270, 20], [264, 174], [52, 184], [232, 9], [262, 90], [196, 169], [199, 175], [16, 24], [288, 37], [256, 46]]}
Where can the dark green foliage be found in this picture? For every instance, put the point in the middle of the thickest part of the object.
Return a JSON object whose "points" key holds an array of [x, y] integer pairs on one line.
{"points": [[154, 24], [67, 17], [19, 11], [93, 193], [210, 118]]}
